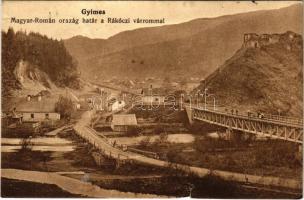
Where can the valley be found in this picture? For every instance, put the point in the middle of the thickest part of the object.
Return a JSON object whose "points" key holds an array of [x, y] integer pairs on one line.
{"points": [[209, 108]]}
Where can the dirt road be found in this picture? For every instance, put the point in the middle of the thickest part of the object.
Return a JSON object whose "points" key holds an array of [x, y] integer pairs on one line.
{"points": [[71, 185]]}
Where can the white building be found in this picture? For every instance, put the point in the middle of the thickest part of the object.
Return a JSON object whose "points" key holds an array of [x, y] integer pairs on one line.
{"points": [[38, 110], [153, 96], [116, 105]]}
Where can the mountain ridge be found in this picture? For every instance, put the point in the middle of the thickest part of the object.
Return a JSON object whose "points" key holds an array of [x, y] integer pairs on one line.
{"points": [[180, 42]]}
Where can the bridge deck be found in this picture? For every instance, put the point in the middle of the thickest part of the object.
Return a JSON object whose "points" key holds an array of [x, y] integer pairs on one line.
{"points": [[290, 130]]}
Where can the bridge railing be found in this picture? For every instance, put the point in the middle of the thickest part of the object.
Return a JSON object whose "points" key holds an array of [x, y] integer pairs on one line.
{"points": [[94, 139], [284, 119], [145, 153], [265, 117]]}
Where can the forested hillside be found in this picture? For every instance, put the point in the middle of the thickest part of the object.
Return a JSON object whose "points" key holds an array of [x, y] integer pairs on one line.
{"points": [[42, 54]]}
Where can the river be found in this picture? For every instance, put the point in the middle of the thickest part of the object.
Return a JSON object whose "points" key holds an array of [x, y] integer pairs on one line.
{"points": [[53, 144]]}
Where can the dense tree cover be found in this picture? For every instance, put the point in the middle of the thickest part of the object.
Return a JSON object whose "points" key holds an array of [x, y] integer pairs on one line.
{"points": [[49, 55], [65, 107]]}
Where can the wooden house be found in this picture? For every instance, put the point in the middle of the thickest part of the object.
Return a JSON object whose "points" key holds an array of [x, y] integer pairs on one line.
{"points": [[121, 122]]}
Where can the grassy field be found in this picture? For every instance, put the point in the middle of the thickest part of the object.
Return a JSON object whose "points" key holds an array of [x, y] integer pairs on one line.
{"points": [[259, 158], [183, 186]]}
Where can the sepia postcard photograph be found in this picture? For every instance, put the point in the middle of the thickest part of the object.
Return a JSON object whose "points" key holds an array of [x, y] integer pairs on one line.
{"points": [[152, 99]]}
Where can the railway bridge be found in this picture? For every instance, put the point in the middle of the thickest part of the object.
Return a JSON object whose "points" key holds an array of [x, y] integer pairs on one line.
{"points": [[288, 129]]}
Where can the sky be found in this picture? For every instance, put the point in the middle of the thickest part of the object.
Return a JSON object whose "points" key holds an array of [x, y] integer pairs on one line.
{"points": [[174, 12]]}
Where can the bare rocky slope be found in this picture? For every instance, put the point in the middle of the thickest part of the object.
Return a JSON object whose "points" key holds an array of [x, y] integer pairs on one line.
{"points": [[195, 48], [32, 60], [264, 75]]}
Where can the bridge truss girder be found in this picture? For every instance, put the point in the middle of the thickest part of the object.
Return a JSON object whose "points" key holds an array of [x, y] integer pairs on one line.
{"points": [[289, 132]]}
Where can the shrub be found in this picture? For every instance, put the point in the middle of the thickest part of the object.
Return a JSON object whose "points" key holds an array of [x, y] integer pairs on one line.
{"points": [[26, 144], [133, 131], [173, 156], [239, 139], [210, 185], [210, 144], [65, 107], [276, 153], [163, 137], [159, 129], [145, 142], [161, 140]]}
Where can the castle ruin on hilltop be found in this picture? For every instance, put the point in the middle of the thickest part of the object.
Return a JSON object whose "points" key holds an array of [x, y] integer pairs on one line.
{"points": [[253, 40], [289, 40]]}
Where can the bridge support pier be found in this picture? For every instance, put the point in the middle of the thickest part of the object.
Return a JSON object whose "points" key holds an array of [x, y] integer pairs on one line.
{"points": [[189, 114], [300, 148], [118, 163], [229, 133], [236, 136], [299, 153]]}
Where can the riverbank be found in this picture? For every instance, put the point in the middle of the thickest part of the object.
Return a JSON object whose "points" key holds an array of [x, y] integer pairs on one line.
{"points": [[132, 177], [70, 185], [254, 159]]}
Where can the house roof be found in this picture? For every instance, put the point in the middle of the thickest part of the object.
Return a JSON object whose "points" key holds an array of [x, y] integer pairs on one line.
{"points": [[137, 91], [124, 119], [45, 105]]}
